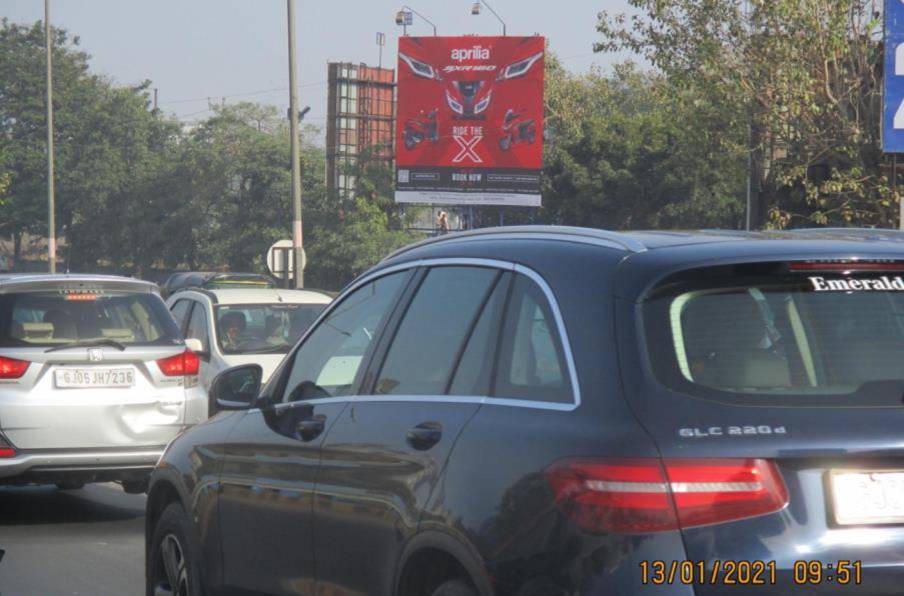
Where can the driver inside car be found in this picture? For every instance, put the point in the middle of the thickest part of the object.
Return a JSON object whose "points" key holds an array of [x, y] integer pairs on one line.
{"points": [[233, 325]]}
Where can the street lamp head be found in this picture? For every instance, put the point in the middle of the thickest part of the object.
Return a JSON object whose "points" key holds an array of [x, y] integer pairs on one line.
{"points": [[475, 8], [404, 18]]}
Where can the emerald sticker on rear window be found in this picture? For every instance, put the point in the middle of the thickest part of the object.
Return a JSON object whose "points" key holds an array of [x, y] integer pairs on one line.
{"points": [[877, 284]]}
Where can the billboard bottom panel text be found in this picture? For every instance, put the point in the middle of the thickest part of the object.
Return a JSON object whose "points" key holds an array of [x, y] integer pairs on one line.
{"points": [[467, 198]]}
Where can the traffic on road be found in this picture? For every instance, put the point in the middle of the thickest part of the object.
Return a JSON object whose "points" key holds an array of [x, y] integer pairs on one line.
{"points": [[588, 298], [474, 415]]}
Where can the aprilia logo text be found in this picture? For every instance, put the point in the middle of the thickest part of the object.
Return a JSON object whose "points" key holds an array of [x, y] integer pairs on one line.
{"points": [[474, 53]]}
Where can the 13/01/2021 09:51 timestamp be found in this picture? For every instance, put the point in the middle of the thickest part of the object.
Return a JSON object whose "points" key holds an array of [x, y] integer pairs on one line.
{"points": [[748, 573]]}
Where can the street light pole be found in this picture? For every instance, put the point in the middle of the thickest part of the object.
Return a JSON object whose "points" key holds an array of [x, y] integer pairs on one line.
{"points": [[429, 22], [51, 220], [297, 240], [476, 10]]}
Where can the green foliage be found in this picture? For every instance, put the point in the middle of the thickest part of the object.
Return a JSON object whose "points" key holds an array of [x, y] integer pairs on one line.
{"points": [[137, 192], [793, 84], [23, 117], [619, 155], [350, 234]]}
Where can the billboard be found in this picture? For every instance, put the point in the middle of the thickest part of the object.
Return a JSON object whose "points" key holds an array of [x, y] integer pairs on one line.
{"points": [[469, 128], [893, 96]]}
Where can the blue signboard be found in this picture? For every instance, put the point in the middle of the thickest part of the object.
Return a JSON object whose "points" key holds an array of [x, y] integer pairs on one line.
{"points": [[893, 98]]}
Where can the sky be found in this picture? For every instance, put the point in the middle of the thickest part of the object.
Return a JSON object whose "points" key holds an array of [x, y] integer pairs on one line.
{"points": [[236, 50]]}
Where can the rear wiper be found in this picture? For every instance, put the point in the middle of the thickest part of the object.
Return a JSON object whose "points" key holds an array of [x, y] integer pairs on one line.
{"points": [[91, 343]]}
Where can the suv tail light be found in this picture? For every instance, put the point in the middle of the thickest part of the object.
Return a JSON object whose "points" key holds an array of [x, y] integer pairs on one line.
{"points": [[10, 368], [648, 495], [184, 364], [6, 450]]}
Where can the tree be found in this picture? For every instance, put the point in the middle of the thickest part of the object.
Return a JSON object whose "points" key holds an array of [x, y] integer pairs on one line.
{"points": [[794, 85], [618, 156], [108, 143], [351, 234], [23, 118], [137, 192]]}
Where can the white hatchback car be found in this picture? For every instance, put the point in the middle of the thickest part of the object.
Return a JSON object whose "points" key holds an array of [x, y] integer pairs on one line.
{"points": [[95, 380], [242, 326]]}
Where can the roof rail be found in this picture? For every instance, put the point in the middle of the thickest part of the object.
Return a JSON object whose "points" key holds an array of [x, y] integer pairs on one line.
{"points": [[628, 243]]}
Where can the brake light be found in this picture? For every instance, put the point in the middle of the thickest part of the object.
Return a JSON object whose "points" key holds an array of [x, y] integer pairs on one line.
{"points": [[646, 495], [6, 450], [184, 364], [10, 368], [846, 266]]}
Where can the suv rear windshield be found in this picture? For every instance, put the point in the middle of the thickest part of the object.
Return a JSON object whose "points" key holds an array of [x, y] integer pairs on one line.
{"points": [[54, 318], [781, 334]]}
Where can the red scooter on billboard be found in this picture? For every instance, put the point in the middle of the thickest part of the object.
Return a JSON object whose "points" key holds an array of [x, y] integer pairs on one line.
{"points": [[423, 128], [516, 129]]}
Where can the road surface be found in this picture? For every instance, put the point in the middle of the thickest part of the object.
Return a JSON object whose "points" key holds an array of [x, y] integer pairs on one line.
{"points": [[88, 541]]}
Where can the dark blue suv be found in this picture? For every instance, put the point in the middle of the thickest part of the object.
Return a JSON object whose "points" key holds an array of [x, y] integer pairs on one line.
{"points": [[551, 411]]}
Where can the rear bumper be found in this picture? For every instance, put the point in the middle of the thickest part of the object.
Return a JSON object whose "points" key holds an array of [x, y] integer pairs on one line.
{"points": [[101, 463]]}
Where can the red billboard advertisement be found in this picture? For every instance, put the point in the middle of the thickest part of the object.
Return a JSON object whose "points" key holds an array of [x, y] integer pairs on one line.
{"points": [[470, 120]]}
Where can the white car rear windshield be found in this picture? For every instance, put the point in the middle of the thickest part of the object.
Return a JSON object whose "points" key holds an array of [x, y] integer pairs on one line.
{"points": [[54, 318], [781, 334], [263, 328]]}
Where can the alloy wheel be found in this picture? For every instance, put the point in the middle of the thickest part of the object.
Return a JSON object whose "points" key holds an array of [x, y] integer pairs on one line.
{"points": [[171, 569]]}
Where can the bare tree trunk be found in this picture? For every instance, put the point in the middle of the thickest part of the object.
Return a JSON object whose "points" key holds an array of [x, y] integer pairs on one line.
{"points": [[758, 177], [17, 247]]}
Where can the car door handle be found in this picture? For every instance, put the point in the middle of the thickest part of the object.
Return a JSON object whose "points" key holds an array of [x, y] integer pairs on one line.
{"points": [[310, 428], [425, 435]]}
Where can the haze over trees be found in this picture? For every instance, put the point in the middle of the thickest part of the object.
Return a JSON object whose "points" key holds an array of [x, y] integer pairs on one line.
{"points": [[138, 192], [796, 85], [787, 89]]}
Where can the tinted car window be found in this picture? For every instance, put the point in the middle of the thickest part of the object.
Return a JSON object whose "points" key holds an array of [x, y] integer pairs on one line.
{"points": [[54, 318], [531, 363], [782, 337], [180, 311], [433, 331], [472, 377], [197, 327], [326, 363]]}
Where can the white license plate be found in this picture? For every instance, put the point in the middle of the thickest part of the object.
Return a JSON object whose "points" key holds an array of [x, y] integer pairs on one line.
{"points": [[866, 497], [68, 378]]}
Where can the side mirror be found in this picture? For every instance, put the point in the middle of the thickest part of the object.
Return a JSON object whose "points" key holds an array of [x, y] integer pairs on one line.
{"points": [[236, 388]]}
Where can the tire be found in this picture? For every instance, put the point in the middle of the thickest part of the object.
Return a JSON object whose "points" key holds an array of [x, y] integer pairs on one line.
{"points": [[70, 485], [171, 541], [410, 143], [455, 587], [505, 143]]}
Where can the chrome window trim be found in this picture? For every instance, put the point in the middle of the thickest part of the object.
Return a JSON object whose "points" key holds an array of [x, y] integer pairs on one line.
{"points": [[499, 401], [430, 399]]}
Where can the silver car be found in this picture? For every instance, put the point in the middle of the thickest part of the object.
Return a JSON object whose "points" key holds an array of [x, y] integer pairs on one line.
{"points": [[95, 380]]}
